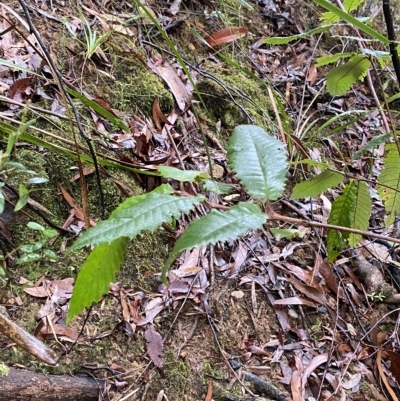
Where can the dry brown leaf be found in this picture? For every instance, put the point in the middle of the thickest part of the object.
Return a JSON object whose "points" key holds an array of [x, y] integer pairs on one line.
{"points": [[37, 292], [312, 74], [59, 330], [315, 362], [86, 171], [154, 347], [226, 35], [328, 274], [78, 210], [209, 392], [394, 358], [295, 301], [178, 89], [18, 89], [296, 387], [239, 255], [158, 115], [103, 103], [308, 291]]}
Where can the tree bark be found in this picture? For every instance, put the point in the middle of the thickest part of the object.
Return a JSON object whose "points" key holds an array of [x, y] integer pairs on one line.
{"points": [[21, 385]]}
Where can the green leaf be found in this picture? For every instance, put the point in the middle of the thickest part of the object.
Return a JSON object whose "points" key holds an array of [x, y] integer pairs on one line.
{"points": [[17, 67], [138, 213], [2, 201], [217, 226], [287, 39], [96, 275], [50, 233], [353, 21], [259, 161], [35, 226], [23, 194], [37, 180], [51, 255], [181, 175], [373, 143], [20, 166], [361, 212], [98, 109], [218, 187], [389, 183], [325, 60], [317, 185], [287, 233], [33, 247], [28, 258], [341, 78], [348, 5], [380, 55], [341, 215]]}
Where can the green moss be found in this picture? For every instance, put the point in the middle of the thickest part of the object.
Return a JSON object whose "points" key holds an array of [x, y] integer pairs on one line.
{"points": [[247, 93]]}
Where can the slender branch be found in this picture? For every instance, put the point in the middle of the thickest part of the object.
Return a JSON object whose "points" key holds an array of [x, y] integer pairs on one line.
{"points": [[392, 37], [276, 216]]}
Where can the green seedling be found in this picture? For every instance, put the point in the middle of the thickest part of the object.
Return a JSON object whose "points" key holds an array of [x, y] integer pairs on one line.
{"points": [[92, 41], [37, 250], [376, 296]]}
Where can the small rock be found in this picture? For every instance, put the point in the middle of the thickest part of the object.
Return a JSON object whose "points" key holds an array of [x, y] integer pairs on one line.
{"points": [[237, 294]]}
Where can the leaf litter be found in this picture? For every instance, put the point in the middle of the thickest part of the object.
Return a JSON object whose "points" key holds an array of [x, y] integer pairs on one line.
{"points": [[291, 295]]}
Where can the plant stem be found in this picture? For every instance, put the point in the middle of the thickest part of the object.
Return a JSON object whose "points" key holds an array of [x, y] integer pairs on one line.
{"points": [[276, 216]]}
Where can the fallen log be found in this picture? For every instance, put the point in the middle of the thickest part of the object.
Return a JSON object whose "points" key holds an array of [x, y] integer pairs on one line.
{"points": [[21, 385]]}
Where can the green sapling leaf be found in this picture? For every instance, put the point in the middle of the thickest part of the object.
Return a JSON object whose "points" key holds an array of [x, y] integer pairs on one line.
{"points": [[217, 226], [138, 213], [259, 161], [341, 215], [181, 175], [317, 185], [96, 275], [341, 78]]}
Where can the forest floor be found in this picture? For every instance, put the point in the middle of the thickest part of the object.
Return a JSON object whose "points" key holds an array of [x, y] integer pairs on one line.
{"points": [[224, 335]]}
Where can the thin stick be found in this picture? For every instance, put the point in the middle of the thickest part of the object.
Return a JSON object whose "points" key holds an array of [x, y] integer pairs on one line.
{"points": [[275, 216]]}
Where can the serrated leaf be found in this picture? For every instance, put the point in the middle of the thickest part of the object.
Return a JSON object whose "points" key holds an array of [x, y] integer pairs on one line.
{"points": [[341, 215], [325, 60], [373, 143], [288, 39], [317, 185], [181, 175], [361, 212], [389, 183], [138, 213], [219, 188], [218, 226], [96, 275], [353, 21], [259, 161], [330, 17], [341, 78]]}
